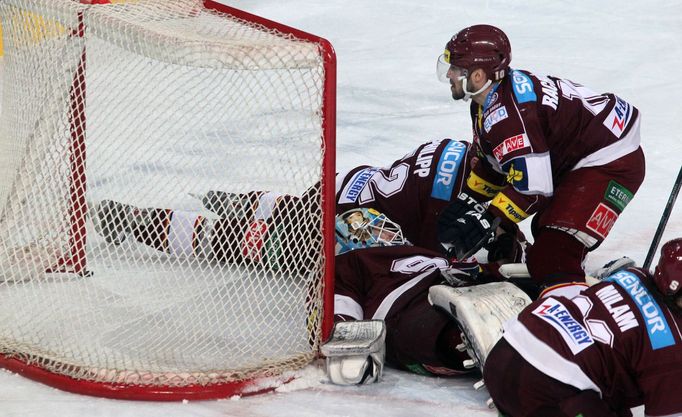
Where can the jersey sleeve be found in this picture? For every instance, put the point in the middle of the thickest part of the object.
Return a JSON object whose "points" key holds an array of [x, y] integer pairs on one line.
{"points": [[483, 182], [518, 148]]}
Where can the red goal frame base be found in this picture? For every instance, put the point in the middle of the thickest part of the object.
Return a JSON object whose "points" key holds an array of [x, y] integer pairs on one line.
{"points": [[145, 392]]}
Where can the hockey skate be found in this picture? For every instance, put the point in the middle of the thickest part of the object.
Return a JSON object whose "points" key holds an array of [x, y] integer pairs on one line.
{"points": [[113, 220]]}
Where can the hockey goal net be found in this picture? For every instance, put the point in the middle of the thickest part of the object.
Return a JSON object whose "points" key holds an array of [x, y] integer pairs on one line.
{"points": [[153, 103]]}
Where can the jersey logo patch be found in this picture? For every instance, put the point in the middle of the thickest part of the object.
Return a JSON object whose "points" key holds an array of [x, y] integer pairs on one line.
{"points": [[510, 145], [602, 220], [506, 206], [619, 117], [571, 330], [618, 195], [658, 330], [448, 168], [523, 87], [494, 117], [517, 173], [352, 190]]}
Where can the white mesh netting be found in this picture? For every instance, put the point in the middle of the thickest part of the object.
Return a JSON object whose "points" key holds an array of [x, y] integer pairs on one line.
{"points": [[171, 101]]}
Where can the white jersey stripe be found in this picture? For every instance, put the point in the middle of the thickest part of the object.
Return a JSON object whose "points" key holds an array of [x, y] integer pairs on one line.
{"points": [[387, 302], [544, 358], [626, 145], [346, 306]]}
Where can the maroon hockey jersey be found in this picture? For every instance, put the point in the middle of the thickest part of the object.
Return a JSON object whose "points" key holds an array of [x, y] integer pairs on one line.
{"points": [[534, 129], [618, 338], [412, 191], [392, 284]]}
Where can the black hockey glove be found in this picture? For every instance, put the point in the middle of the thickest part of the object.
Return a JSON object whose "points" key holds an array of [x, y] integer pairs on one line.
{"points": [[228, 205], [464, 227]]}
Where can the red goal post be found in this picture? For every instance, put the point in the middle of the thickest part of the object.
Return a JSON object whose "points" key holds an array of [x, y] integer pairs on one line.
{"points": [[150, 102]]}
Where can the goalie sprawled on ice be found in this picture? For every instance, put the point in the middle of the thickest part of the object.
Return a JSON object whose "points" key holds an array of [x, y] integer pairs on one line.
{"points": [[383, 269]]}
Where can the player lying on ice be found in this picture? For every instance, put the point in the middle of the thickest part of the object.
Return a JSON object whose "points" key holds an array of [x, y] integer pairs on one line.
{"points": [[413, 191], [381, 282], [598, 353]]}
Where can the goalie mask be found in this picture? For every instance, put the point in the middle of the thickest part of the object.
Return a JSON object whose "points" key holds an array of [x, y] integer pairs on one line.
{"points": [[366, 228]]}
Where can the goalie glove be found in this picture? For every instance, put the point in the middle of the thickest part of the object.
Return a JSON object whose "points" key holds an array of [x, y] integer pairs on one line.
{"points": [[355, 353], [465, 226]]}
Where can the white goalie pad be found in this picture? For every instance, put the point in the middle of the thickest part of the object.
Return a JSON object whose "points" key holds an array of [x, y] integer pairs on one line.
{"points": [[355, 352], [480, 312]]}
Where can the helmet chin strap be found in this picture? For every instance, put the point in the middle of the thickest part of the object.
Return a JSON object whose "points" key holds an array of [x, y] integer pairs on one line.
{"points": [[469, 94]]}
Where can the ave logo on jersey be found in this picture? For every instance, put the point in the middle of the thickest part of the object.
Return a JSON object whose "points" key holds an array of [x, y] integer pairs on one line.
{"points": [[497, 115], [619, 117], [510, 145], [571, 330], [254, 239], [602, 220]]}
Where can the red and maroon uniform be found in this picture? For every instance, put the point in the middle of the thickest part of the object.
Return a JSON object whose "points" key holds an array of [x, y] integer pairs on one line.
{"points": [[392, 284], [615, 346], [412, 191], [566, 153]]}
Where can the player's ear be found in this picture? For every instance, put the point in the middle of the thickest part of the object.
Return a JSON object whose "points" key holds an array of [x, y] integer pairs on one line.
{"points": [[479, 76]]}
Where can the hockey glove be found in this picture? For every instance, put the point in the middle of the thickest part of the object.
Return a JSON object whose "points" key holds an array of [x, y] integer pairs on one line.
{"points": [[612, 267], [228, 205], [464, 227]]}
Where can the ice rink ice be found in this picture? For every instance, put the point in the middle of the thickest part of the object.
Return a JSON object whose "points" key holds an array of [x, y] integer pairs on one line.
{"points": [[389, 101]]}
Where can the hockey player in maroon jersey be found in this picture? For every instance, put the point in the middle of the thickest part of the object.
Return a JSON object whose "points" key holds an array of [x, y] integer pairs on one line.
{"points": [[412, 191], [615, 346], [379, 275], [546, 146], [383, 277]]}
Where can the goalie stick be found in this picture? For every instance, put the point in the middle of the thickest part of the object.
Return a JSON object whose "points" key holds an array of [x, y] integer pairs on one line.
{"points": [[664, 221]]}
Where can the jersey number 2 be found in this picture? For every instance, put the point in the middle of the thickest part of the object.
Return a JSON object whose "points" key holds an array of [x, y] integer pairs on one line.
{"points": [[385, 185]]}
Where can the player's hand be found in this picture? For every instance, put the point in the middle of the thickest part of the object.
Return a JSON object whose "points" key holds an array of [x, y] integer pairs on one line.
{"points": [[464, 227]]}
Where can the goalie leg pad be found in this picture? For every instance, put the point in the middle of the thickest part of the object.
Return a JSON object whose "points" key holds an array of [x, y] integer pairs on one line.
{"points": [[480, 311], [356, 351]]}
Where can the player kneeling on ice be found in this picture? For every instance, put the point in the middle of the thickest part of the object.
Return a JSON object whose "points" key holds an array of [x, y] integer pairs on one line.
{"points": [[614, 346], [381, 284]]}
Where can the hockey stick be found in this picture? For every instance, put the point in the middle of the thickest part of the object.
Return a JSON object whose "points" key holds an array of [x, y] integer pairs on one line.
{"points": [[664, 221]]}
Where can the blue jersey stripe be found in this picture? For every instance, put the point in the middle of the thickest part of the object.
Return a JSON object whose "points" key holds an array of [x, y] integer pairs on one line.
{"points": [[657, 326], [448, 168]]}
